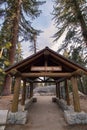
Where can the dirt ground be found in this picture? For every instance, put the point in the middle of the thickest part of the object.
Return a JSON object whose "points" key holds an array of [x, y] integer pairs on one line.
{"points": [[5, 102], [83, 101], [45, 115]]}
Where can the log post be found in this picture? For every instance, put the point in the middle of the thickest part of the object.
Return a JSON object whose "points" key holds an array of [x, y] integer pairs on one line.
{"points": [[75, 94], [57, 93], [31, 90], [62, 92], [23, 93], [16, 94], [67, 92]]}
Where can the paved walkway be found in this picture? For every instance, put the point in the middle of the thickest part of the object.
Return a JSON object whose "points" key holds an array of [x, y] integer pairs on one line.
{"points": [[45, 115]]}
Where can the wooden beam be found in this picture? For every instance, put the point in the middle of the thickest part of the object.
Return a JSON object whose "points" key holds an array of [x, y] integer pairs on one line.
{"points": [[46, 59], [76, 100], [31, 90], [14, 72], [57, 90], [46, 68], [47, 79], [40, 79], [23, 93], [78, 72], [61, 80], [44, 81], [67, 92], [66, 62], [59, 93], [46, 74], [24, 62]]}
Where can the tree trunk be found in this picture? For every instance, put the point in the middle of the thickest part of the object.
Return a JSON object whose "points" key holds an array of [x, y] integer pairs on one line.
{"points": [[31, 90], [57, 89], [15, 29], [34, 43], [7, 85], [12, 50]]}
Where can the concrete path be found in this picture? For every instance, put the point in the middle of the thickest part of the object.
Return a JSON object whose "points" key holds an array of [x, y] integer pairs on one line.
{"points": [[45, 115]]}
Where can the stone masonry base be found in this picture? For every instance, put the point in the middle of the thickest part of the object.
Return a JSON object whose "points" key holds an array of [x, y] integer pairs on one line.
{"points": [[70, 116], [21, 116]]}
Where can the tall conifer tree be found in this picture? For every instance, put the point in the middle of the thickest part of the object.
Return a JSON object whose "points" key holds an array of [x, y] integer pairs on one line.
{"points": [[17, 17], [71, 15]]}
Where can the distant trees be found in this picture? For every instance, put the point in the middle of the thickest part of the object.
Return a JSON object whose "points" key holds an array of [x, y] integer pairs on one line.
{"points": [[33, 46], [17, 16], [78, 58]]}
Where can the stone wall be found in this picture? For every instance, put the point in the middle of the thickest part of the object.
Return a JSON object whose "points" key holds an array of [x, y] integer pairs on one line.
{"points": [[62, 104], [70, 116], [75, 118]]}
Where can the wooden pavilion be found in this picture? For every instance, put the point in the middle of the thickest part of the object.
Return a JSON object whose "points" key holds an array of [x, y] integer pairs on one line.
{"points": [[49, 64]]}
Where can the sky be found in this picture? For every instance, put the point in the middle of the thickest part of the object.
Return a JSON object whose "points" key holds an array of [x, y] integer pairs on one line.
{"points": [[45, 23]]}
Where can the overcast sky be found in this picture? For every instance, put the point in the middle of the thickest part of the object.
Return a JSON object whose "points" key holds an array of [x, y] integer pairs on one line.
{"points": [[46, 24]]}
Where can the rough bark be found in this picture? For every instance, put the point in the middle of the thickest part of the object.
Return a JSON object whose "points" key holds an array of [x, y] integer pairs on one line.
{"points": [[12, 50], [7, 85], [34, 43], [76, 99]]}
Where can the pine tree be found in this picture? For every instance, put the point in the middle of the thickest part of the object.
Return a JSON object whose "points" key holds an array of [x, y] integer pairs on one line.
{"points": [[78, 58], [17, 23], [71, 16], [19, 55]]}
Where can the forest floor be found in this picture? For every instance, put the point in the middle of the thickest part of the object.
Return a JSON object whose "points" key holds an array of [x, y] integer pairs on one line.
{"points": [[44, 115], [5, 102]]}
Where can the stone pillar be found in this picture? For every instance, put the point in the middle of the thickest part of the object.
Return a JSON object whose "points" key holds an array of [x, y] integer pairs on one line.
{"points": [[75, 94], [67, 92], [16, 94], [31, 90], [23, 93]]}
